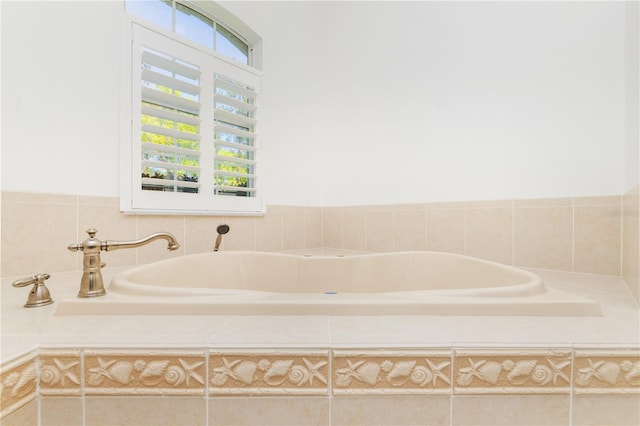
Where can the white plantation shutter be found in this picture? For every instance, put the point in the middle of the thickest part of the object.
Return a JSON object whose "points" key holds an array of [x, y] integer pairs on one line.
{"points": [[235, 137], [170, 123], [194, 141]]}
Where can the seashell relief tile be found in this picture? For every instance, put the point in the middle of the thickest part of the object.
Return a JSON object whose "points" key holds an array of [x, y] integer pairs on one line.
{"points": [[273, 372], [145, 372], [512, 372], [384, 372], [606, 372], [60, 372], [18, 381]]}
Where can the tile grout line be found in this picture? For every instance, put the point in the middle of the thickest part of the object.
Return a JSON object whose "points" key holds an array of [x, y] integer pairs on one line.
{"points": [[513, 233], [621, 239], [330, 380], [573, 235]]}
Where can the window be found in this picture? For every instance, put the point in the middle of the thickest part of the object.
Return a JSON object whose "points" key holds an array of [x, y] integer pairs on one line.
{"points": [[192, 145]]}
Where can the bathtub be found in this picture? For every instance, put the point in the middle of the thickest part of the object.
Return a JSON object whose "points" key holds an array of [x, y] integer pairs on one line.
{"points": [[259, 283]]}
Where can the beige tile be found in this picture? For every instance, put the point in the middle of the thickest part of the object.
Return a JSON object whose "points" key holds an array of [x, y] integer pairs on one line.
{"points": [[111, 225], [606, 371], [293, 228], [354, 228], [491, 204], [511, 410], [265, 411], [379, 222], [632, 196], [631, 247], [286, 331], [60, 372], [157, 250], [411, 206], [610, 410], [445, 205], [390, 410], [543, 237], [87, 200], [490, 234], [597, 240], [508, 372], [200, 233], [142, 411], [260, 373], [387, 372], [269, 229], [35, 237], [409, 228], [543, 202], [61, 411], [332, 227], [611, 201], [18, 380], [38, 198], [313, 227], [139, 372], [446, 230], [241, 235], [25, 415]]}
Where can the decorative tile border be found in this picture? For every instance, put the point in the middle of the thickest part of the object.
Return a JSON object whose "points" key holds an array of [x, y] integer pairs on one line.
{"points": [[269, 372], [320, 372], [60, 372], [144, 372], [512, 372], [606, 372], [18, 381], [385, 372]]}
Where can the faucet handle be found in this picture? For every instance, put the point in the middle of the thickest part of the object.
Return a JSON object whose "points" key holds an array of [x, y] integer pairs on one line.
{"points": [[39, 294], [34, 279], [90, 244]]}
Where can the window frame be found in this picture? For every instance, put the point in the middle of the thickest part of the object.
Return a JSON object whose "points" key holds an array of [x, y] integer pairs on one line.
{"points": [[167, 203]]}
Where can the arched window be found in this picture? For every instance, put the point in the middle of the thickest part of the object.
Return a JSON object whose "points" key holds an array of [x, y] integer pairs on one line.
{"points": [[192, 144]]}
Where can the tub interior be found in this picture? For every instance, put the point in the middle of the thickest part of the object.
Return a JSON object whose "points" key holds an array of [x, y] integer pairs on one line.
{"points": [[375, 273]]}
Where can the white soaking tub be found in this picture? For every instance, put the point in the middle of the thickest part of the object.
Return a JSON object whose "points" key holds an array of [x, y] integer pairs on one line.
{"points": [[259, 283]]}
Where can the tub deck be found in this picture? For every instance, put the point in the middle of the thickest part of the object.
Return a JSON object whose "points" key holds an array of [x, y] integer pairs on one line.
{"points": [[405, 283]]}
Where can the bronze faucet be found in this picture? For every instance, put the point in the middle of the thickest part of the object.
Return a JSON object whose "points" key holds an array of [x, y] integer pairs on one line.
{"points": [[91, 284]]}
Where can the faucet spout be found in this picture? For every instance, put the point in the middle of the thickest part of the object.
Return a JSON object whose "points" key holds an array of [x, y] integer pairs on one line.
{"points": [[117, 245], [91, 284]]}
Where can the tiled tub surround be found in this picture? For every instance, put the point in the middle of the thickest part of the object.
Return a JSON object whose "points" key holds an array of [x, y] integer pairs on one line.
{"points": [[209, 370], [188, 379], [318, 369], [570, 234]]}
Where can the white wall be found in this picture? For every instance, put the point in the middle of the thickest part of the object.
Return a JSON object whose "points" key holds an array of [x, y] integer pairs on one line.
{"points": [[60, 96], [464, 100], [632, 81], [389, 102]]}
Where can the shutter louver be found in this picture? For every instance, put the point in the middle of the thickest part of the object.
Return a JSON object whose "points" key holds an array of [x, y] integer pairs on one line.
{"points": [[170, 123], [235, 138]]}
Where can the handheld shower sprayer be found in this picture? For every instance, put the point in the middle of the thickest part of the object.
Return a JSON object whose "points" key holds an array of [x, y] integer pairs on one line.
{"points": [[221, 229]]}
